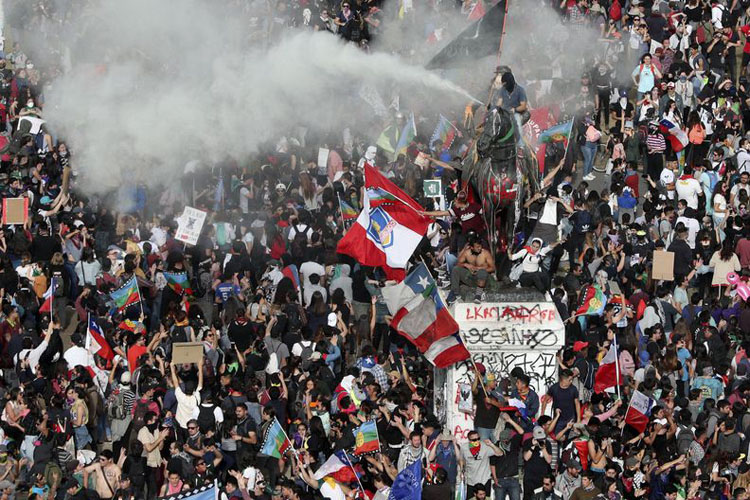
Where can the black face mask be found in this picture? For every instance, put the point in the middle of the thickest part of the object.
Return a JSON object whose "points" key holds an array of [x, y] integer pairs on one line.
{"points": [[152, 427], [476, 253]]}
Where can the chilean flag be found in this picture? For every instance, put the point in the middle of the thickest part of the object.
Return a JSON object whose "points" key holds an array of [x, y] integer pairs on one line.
{"points": [[420, 315], [388, 229], [96, 343], [639, 411], [47, 305], [606, 375], [292, 273]]}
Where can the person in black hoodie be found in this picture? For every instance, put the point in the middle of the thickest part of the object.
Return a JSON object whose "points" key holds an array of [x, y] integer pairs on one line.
{"points": [[683, 254]]}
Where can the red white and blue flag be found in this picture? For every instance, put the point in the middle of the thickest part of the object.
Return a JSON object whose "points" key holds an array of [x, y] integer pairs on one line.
{"points": [[47, 305], [677, 137], [606, 375], [96, 343], [388, 229], [420, 315], [639, 411], [292, 273]]}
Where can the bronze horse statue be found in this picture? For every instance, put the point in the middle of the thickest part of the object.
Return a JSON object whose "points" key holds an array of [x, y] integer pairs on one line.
{"points": [[503, 175]]}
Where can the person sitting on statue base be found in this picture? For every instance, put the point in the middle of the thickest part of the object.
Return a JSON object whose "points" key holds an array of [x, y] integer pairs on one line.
{"points": [[532, 272], [475, 264]]}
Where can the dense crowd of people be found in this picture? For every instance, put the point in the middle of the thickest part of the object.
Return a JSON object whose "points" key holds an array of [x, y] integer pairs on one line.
{"points": [[646, 200]]}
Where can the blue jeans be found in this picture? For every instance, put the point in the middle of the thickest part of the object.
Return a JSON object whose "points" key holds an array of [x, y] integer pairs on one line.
{"points": [[485, 433], [508, 487], [450, 262], [589, 153]]}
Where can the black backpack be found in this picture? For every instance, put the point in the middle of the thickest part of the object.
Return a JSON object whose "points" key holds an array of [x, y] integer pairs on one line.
{"points": [[139, 415], [588, 379], [59, 283], [206, 418], [299, 242]]}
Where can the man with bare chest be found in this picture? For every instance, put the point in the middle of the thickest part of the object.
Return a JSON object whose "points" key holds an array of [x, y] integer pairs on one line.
{"points": [[474, 267]]}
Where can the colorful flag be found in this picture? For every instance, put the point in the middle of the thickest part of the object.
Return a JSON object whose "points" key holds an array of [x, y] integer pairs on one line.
{"points": [[639, 411], [677, 137], [275, 442], [219, 194], [126, 295], [445, 131], [388, 139], [178, 282], [420, 315], [292, 273], [407, 135], [593, 301], [477, 12], [366, 438], [385, 235], [96, 343], [348, 212], [579, 451], [207, 492], [447, 352], [48, 295], [557, 133], [337, 466], [408, 483], [606, 374]]}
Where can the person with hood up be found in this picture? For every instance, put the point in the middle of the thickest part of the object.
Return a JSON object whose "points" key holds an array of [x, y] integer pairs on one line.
{"points": [[532, 256], [513, 98]]}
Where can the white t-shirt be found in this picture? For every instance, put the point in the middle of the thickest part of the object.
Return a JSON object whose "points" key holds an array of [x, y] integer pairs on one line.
{"points": [[688, 189], [309, 268], [736, 192], [693, 228], [244, 193], [186, 405]]}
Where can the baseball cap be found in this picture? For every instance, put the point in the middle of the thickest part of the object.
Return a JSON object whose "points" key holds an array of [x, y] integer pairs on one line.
{"points": [[539, 433], [579, 346], [332, 319], [572, 464]]}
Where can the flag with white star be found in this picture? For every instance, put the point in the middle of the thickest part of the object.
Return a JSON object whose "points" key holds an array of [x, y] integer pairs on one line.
{"points": [[420, 315]]}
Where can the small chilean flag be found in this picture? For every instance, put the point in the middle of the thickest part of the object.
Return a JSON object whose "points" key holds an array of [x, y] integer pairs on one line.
{"points": [[606, 375], [639, 411], [96, 343], [47, 305]]}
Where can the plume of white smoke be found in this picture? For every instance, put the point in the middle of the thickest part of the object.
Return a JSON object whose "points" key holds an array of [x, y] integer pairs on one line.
{"points": [[152, 85]]}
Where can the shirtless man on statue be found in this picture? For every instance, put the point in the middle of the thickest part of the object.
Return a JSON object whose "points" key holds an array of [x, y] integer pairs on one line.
{"points": [[475, 264]]}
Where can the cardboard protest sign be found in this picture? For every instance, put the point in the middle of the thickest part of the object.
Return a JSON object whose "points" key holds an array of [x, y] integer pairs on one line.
{"points": [[187, 352], [15, 210], [663, 268]]}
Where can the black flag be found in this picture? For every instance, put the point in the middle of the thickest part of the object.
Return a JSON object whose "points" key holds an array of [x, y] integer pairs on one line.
{"points": [[481, 39]]}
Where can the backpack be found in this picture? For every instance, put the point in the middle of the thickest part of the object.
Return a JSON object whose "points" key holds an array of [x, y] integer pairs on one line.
{"points": [[588, 380], [141, 408], [206, 418], [615, 11], [726, 21], [299, 242], [59, 283], [307, 351], [115, 405]]}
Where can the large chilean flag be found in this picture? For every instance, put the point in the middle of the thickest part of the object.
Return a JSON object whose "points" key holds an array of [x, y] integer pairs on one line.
{"points": [[420, 315], [388, 229]]}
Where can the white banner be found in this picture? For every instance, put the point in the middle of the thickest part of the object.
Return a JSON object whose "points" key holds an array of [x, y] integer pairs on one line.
{"points": [[190, 225]]}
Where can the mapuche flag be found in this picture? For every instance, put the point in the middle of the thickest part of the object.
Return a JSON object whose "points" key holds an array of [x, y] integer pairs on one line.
{"points": [[388, 229], [126, 295], [179, 282], [276, 442]]}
